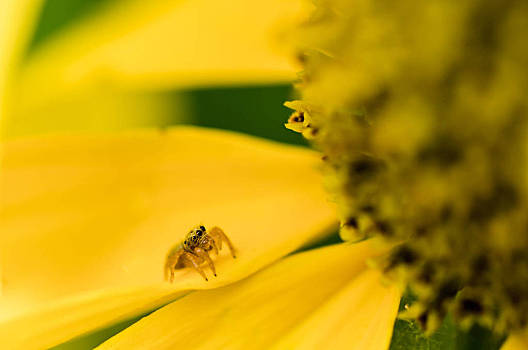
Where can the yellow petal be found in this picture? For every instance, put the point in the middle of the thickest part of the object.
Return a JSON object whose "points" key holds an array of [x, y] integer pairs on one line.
{"points": [[160, 44], [16, 23], [516, 341], [256, 313], [87, 212], [89, 109], [360, 317], [57, 322], [106, 70]]}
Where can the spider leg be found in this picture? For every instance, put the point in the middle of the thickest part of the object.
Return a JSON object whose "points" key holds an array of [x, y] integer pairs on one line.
{"points": [[205, 256], [213, 243], [194, 261], [169, 269], [219, 235], [171, 279], [216, 238], [166, 270], [170, 262]]}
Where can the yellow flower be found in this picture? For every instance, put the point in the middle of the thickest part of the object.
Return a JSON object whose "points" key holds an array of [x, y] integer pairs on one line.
{"points": [[86, 220]]}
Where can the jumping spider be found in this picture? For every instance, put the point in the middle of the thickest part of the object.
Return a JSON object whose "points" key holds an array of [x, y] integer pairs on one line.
{"points": [[194, 251]]}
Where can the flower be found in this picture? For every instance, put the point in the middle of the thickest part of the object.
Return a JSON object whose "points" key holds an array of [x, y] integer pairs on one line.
{"points": [[420, 112], [86, 220]]}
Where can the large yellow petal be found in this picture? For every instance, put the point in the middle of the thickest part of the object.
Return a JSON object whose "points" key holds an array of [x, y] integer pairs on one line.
{"points": [[293, 297], [86, 212]]}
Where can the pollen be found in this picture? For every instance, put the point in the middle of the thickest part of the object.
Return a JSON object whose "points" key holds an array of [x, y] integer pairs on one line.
{"points": [[424, 131]]}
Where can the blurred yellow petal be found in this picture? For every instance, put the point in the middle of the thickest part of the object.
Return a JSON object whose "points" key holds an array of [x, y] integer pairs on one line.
{"points": [[55, 323], [516, 341], [163, 44], [93, 110], [87, 212], [134, 48], [16, 23], [258, 312]]}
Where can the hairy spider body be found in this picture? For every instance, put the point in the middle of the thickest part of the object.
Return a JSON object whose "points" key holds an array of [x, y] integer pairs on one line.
{"points": [[194, 251]]}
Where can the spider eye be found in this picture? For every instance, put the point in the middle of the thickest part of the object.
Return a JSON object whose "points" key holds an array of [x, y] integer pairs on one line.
{"points": [[198, 232], [184, 242], [203, 228]]}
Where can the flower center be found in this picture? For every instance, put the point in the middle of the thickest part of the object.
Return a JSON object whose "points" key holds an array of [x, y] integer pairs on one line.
{"points": [[424, 133]]}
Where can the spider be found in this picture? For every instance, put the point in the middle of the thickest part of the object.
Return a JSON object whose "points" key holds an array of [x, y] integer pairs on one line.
{"points": [[194, 251]]}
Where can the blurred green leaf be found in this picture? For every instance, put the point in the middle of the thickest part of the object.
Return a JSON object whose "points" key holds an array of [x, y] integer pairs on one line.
{"points": [[407, 335]]}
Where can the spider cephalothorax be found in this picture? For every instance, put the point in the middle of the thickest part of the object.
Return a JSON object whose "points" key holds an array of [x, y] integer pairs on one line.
{"points": [[197, 237], [194, 251]]}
